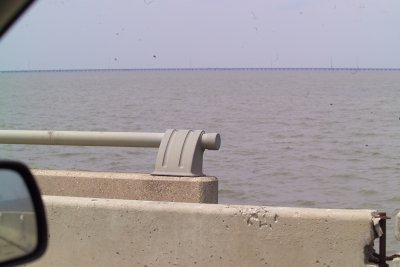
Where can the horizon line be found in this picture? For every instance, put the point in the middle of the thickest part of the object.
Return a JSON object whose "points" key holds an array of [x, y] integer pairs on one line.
{"points": [[206, 69]]}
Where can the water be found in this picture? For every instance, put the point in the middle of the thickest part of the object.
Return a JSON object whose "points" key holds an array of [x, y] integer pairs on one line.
{"points": [[290, 138]]}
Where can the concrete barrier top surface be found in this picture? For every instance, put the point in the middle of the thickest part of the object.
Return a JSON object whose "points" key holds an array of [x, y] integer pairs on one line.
{"points": [[118, 175], [135, 186], [116, 232]]}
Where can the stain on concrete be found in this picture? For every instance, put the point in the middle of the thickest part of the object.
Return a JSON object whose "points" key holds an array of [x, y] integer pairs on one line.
{"points": [[276, 218]]}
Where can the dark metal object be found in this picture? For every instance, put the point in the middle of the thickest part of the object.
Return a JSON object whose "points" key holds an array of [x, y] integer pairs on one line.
{"points": [[381, 258], [382, 241]]}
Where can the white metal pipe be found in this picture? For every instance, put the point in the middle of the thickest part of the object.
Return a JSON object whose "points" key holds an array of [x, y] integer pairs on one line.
{"points": [[209, 141], [75, 138]]}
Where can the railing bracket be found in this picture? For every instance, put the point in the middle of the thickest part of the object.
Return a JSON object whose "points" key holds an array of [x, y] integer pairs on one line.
{"points": [[181, 152]]}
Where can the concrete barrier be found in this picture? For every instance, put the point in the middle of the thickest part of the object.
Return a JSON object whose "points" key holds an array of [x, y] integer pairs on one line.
{"points": [[115, 232], [127, 186]]}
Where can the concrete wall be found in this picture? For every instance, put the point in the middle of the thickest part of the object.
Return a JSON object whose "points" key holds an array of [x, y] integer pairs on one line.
{"points": [[127, 186], [115, 232]]}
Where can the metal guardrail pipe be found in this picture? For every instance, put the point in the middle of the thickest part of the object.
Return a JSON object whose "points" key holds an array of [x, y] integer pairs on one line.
{"points": [[76, 138], [180, 151]]}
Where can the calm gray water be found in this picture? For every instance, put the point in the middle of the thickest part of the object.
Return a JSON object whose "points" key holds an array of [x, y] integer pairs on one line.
{"points": [[290, 138]]}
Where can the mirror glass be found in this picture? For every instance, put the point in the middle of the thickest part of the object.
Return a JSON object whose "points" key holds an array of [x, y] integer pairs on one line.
{"points": [[18, 230]]}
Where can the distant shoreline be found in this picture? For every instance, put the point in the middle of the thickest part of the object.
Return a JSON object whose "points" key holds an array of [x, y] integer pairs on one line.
{"points": [[207, 69]]}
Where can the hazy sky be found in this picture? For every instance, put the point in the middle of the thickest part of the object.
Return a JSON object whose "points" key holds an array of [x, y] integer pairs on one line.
{"points": [[87, 34]]}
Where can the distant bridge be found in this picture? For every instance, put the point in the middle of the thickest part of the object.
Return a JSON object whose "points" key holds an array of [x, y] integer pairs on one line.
{"points": [[209, 69]]}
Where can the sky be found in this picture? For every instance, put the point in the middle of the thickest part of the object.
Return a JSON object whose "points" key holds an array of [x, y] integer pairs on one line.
{"points": [[141, 34]]}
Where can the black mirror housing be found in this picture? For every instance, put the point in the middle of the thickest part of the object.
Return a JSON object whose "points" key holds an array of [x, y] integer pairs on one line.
{"points": [[10, 11]]}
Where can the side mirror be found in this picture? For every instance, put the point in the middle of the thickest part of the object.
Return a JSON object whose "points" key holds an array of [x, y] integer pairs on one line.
{"points": [[23, 227]]}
